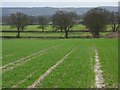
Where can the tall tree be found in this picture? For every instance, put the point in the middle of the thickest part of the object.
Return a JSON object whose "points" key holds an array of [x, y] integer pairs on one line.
{"points": [[64, 21], [114, 21], [96, 20], [20, 21], [31, 20], [43, 22]]}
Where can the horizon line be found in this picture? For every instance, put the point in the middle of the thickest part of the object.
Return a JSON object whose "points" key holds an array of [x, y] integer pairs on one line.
{"points": [[57, 7]]}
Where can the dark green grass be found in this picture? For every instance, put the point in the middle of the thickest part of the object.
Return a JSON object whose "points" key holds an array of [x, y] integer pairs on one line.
{"points": [[0, 63], [76, 71], [60, 34], [42, 63], [16, 49], [34, 34], [108, 53]]}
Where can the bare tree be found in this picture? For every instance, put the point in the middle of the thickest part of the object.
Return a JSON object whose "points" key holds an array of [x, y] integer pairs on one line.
{"points": [[64, 21], [20, 21], [31, 20], [43, 22], [96, 20], [114, 21]]}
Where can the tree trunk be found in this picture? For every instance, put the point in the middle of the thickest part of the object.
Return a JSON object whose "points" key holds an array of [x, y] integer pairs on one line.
{"points": [[114, 28], [61, 30], [42, 28], [18, 35], [117, 28], [66, 33], [95, 34]]}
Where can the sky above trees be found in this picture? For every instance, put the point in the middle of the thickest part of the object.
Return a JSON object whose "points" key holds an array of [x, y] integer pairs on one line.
{"points": [[58, 3]]}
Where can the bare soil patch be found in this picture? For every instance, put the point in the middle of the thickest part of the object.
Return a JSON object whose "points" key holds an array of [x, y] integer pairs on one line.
{"points": [[113, 35], [99, 80]]}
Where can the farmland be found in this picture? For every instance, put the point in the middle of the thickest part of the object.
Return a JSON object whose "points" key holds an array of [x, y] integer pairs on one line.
{"points": [[48, 28], [65, 48], [35, 27], [56, 34], [77, 27], [26, 60]]}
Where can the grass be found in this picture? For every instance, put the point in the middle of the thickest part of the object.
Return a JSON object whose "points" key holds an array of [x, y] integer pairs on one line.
{"points": [[77, 70], [60, 34], [80, 34], [78, 27], [34, 34], [46, 61], [22, 48], [0, 63], [108, 53], [49, 28], [35, 27]]}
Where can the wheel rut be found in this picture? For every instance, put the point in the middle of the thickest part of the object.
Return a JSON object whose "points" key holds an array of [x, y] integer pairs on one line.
{"points": [[99, 80], [21, 61], [42, 77]]}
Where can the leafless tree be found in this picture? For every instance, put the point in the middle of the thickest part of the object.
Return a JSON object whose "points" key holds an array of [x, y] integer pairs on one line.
{"points": [[96, 20], [20, 21], [64, 20], [43, 22]]}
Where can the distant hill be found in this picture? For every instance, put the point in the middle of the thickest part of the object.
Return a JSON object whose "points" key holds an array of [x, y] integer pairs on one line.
{"points": [[48, 11]]}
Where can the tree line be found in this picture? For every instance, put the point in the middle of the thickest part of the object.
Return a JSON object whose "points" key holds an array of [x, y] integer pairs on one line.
{"points": [[96, 20]]}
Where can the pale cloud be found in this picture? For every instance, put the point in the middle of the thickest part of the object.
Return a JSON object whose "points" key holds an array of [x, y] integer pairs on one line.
{"points": [[60, 0], [58, 3]]}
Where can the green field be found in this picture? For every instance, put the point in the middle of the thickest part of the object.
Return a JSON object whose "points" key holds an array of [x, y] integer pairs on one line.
{"points": [[35, 27], [48, 28], [43, 34], [55, 34], [25, 60]]}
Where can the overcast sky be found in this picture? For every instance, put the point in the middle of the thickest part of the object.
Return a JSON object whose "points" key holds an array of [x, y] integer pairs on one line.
{"points": [[58, 3]]}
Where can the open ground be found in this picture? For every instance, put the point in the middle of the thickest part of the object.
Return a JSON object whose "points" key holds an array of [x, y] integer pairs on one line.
{"points": [[77, 27], [60, 63]]}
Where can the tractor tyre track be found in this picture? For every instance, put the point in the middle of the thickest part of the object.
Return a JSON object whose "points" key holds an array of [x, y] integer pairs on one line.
{"points": [[99, 80], [42, 77], [10, 66], [22, 81]]}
